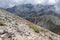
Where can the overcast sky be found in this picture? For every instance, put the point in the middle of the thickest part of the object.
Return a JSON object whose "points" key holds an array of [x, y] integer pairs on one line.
{"points": [[11, 3]]}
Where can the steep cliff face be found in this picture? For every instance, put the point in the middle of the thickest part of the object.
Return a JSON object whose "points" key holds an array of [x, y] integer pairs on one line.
{"points": [[13, 27]]}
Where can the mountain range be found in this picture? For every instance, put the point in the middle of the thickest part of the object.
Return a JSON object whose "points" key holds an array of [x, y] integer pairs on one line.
{"points": [[47, 16], [13, 27]]}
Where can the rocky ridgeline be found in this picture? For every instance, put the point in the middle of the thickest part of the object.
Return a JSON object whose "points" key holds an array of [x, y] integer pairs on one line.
{"points": [[13, 27]]}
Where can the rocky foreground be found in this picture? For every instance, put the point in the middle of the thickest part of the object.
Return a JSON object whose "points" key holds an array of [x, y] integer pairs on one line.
{"points": [[13, 27]]}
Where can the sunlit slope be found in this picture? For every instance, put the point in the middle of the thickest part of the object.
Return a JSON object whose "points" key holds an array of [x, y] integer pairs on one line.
{"points": [[13, 27]]}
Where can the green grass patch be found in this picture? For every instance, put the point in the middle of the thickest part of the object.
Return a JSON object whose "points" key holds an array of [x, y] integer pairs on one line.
{"points": [[35, 28]]}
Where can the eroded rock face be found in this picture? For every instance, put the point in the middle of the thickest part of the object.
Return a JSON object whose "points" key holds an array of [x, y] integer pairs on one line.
{"points": [[13, 27]]}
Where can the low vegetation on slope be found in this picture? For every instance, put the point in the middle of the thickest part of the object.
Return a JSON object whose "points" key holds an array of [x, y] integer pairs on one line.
{"points": [[13, 27]]}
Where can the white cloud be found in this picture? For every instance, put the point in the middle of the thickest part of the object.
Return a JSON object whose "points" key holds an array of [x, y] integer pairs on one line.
{"points": [[18, 1], [57, 9], [10, 3], [47, 1], [52, 1]]}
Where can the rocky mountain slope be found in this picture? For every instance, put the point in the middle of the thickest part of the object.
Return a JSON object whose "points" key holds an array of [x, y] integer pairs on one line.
{"points": [[13, 27], [42, 15], [48, 21]]}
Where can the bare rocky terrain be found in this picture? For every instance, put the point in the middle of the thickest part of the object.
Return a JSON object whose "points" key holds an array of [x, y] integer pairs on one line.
{"points": [[13, 27]]}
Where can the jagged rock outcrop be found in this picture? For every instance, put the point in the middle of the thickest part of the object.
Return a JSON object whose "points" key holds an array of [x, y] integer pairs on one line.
{"points": [[13, 27]]}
